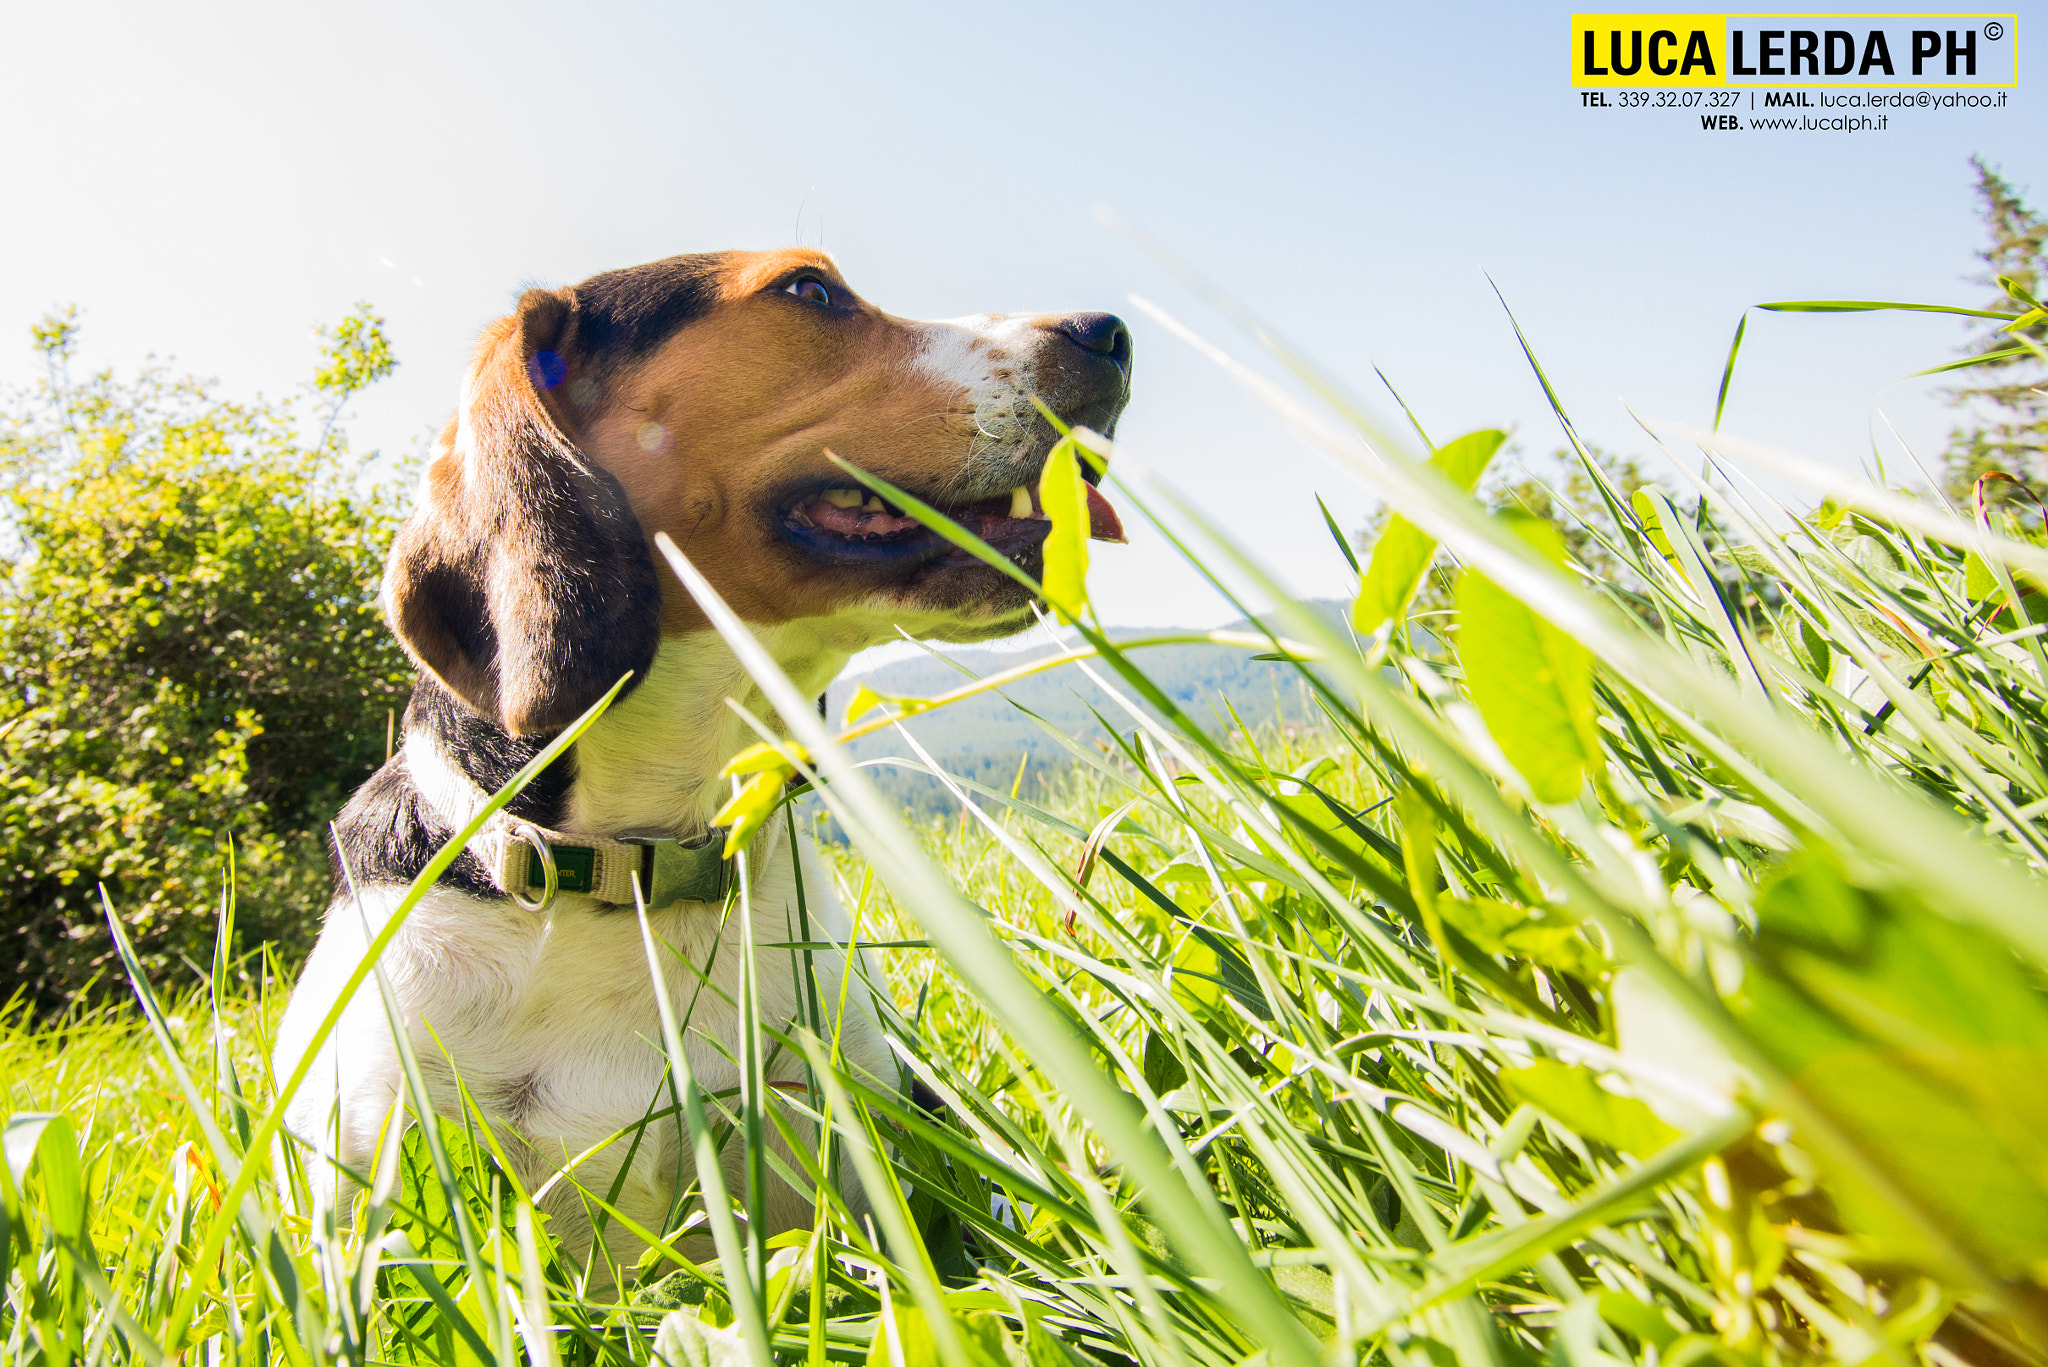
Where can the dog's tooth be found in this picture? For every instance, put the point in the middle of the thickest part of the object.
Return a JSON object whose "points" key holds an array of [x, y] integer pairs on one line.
{"points": [[874, 505], [842, 498], [1020, 502]]}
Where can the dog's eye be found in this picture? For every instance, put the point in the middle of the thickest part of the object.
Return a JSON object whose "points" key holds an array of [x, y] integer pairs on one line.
{"points": [[810, 289]]}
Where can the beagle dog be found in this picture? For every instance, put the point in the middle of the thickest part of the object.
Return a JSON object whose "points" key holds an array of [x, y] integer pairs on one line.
{"points": [[696, 396]]}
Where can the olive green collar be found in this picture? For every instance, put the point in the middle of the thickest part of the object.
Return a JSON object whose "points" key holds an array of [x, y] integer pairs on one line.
{"points": [[534, 865]]}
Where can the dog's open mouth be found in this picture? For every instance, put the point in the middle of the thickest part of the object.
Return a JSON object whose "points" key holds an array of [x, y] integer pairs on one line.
{"points": [[850, 524]]}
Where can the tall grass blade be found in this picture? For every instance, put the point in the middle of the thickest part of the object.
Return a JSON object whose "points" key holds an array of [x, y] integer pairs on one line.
{"points": [[1189, 1214]]}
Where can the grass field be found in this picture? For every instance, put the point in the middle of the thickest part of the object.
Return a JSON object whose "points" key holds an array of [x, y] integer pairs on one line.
{"points": [[1641, 970]]}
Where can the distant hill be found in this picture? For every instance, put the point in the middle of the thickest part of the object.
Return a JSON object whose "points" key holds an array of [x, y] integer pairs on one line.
{"points": [[986, 738]]}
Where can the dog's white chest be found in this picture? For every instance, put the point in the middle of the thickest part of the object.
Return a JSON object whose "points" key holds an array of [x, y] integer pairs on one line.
{"points": [[550, 1022]]}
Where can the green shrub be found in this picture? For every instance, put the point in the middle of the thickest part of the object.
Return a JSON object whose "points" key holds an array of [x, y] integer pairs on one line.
{"points": [[190, 660]]}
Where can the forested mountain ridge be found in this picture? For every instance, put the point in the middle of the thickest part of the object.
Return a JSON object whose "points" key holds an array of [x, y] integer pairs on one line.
{"points": [[987, 739]]}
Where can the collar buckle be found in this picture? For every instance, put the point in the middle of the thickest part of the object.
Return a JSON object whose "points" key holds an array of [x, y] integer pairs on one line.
{"points": [[674, 871]]}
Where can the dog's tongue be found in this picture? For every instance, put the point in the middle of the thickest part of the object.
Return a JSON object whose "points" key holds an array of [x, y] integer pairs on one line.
{"points": [[1103, 523]]}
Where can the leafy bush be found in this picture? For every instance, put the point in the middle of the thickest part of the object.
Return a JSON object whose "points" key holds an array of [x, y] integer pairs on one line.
{"points": [[192, 660]]}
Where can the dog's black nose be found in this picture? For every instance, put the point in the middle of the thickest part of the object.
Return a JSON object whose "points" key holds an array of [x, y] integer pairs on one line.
{"points": [[1102, 333]]}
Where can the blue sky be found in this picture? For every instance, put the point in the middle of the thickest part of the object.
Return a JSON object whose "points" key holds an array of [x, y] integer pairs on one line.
{"points": [[209, 182]]}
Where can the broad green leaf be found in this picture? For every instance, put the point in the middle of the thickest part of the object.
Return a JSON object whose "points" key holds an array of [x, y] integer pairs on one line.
{"points": [[426, 1221], [903, 1339], [1205, 966], [1064, 496], [1829, 515], [746, 810], [1504, 928], [1574, 1098], [1163, 1069], [863, 701], [1818, 652], [48, 1144], [1645, 1321], [430, 1219], [1182, 871], [685, 1340], [1924, 1041], [1399, 561], [2033, 606], [1041, 1349], [1317, 813], [987, 1339], [1646, 511], [767, 756], [1531, 682], [2021, 293], [866, 699], [1401, 557], [982, 1334], [1978, 580], [1983, 585]]}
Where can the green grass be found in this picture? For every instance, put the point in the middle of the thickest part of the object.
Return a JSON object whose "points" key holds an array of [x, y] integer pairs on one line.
{"points": [[1648, 975]]}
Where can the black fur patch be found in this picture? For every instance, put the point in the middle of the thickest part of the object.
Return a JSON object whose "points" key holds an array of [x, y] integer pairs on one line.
{"points": [[595, 561], [925, 1099], [391, 834], [624, 314], [491, 757]]}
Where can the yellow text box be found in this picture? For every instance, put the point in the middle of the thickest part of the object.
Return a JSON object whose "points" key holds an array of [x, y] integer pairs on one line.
{"points": [[1649, 49]]}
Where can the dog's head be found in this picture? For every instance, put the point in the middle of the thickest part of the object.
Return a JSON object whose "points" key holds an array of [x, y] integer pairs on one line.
{"points": [[699, 396]]}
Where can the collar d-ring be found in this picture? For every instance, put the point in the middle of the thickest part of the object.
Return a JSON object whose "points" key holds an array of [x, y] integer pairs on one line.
{"points": [[552, 879]]}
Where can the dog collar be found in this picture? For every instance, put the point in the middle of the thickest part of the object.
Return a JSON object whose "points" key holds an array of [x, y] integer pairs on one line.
{"points": [[532, 864]]}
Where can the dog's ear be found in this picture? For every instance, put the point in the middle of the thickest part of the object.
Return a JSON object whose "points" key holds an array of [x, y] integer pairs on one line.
{"points": [[522, 581]]}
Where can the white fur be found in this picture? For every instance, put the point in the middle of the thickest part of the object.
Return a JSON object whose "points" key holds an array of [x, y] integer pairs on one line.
{"points": [[639, 768], [550, 1020], [991, 357]]}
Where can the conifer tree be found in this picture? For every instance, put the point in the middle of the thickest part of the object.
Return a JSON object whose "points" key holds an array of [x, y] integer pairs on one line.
{"points": [[2006, 408]]}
